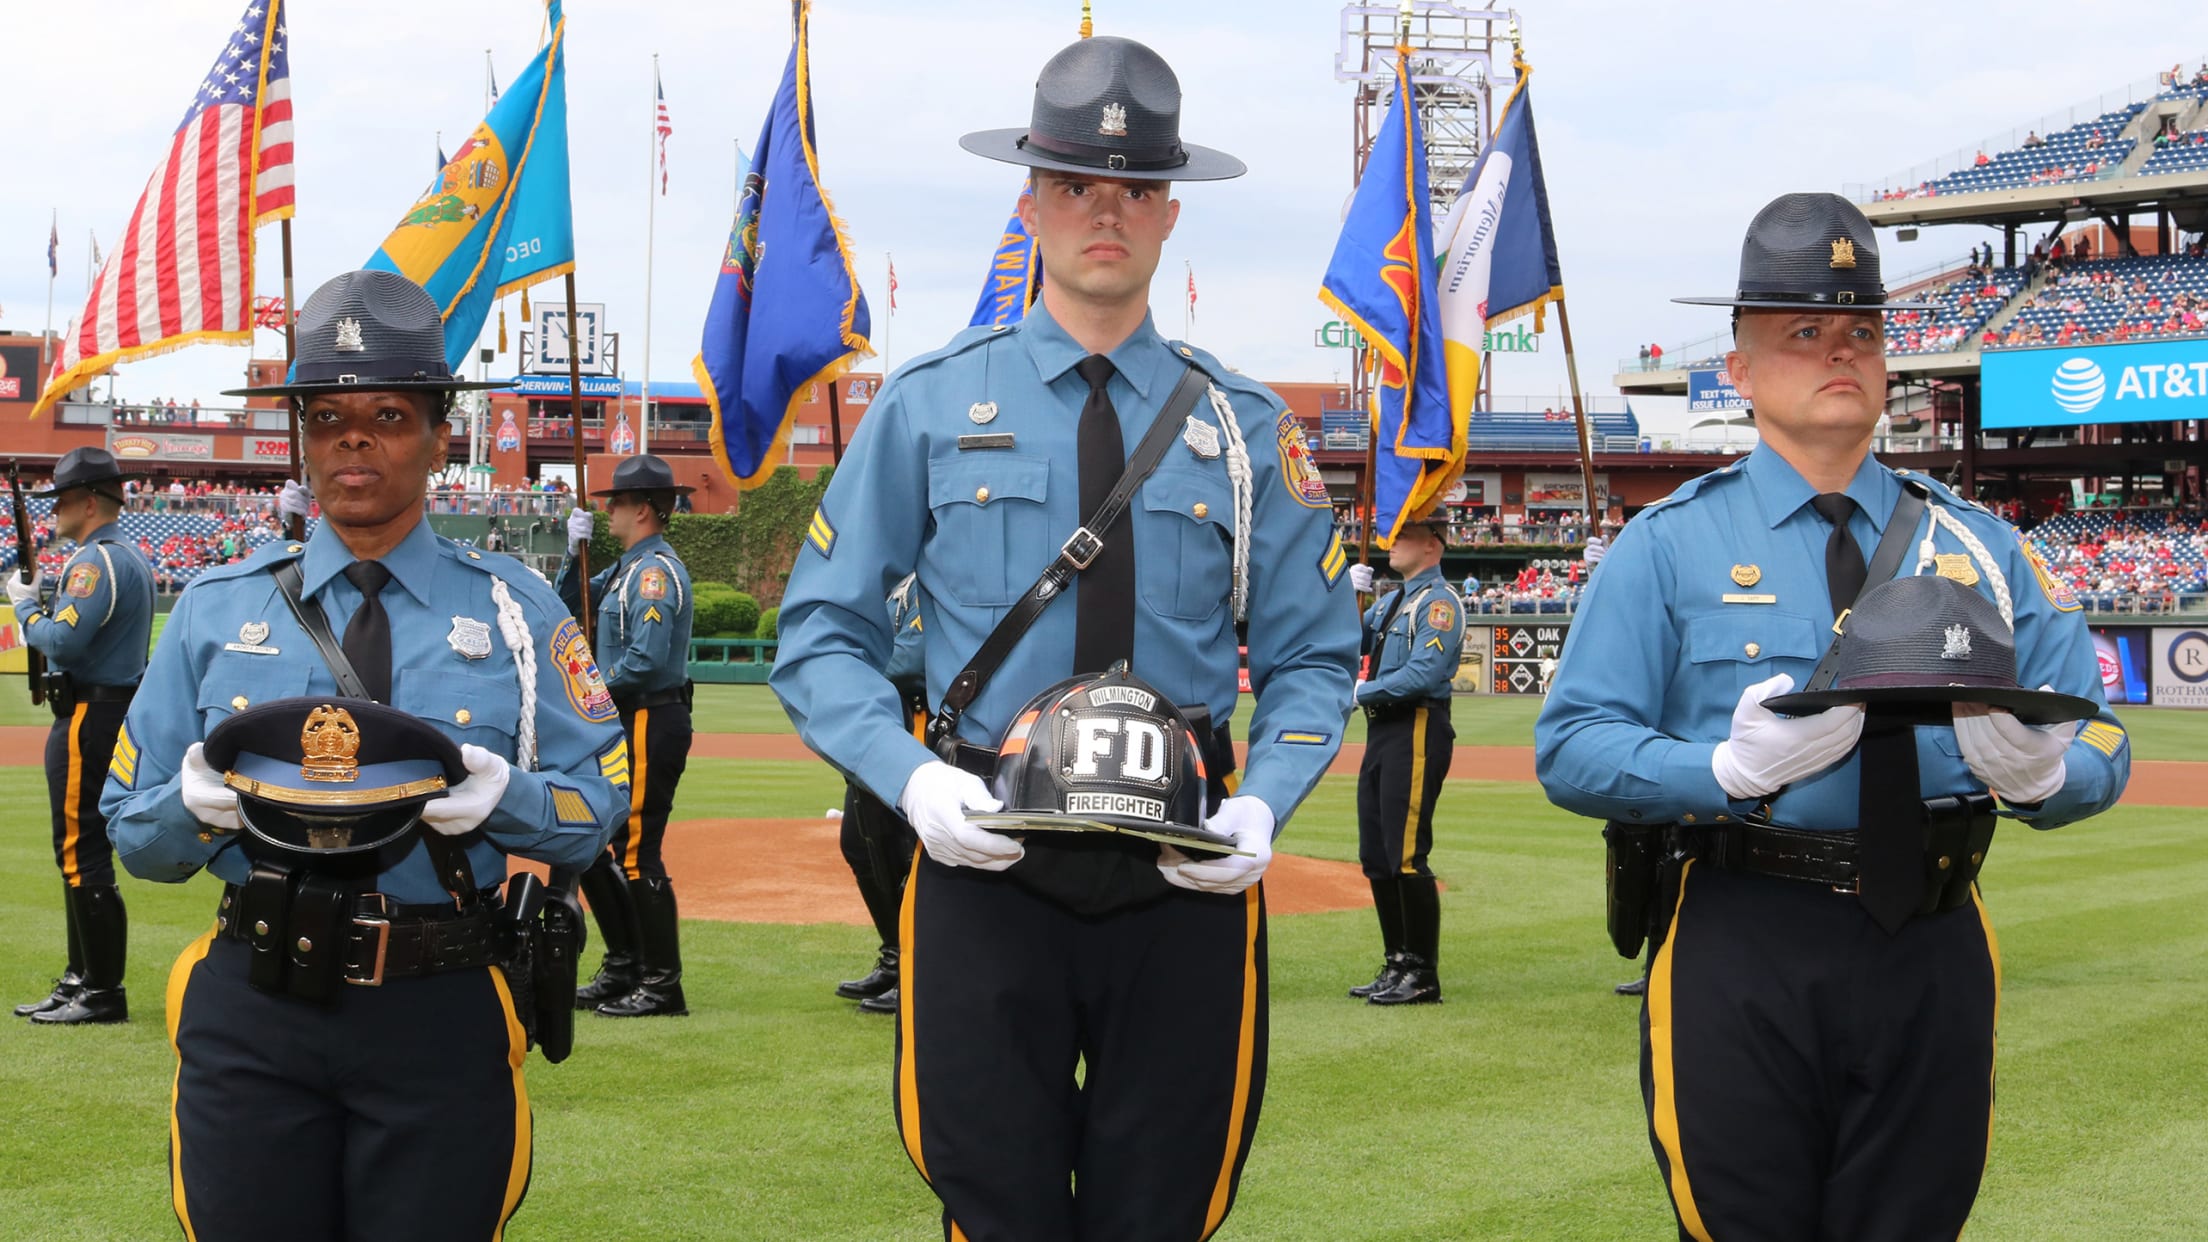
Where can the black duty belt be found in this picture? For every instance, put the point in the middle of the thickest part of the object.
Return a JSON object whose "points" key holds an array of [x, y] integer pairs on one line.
{"points": [[387, 940], [1402, 709], [59, 684], [1789, 853], [651, 698]]}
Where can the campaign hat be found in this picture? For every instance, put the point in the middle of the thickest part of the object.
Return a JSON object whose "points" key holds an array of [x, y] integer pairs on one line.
{"points": [[1106, 107]]}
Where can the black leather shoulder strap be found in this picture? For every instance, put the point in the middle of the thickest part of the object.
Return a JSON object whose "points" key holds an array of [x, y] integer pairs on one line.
{"points": [[1901, 527], [1078, 553], [317, 625]]}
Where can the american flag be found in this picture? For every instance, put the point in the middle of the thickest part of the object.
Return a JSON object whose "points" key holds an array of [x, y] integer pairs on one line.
{"points": [[661, 125], [892, 285], [183, 271], [53, 249]]}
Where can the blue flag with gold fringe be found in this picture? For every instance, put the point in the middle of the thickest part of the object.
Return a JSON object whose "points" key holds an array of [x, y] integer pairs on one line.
{"points": [[498, 217], [1381, 281], [1009, 287], [787, 311]]}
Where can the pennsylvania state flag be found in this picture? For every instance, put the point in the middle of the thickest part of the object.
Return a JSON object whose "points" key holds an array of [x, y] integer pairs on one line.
{"points": [[498, 218], [1009, 288], [787, 311], [1381, 282]]}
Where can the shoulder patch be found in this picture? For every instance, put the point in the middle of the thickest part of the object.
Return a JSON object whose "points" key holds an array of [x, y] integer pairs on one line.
{"points": [[821, 534], [82, 580], [2058, 592], [124, 766], [1441, 615], [1297, 467], [652, 584], [1335, 561], [586, 690]]}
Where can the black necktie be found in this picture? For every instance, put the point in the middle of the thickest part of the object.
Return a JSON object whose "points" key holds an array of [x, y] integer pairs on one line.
{"points": [[1844, 567], [368, 635], [1104, 628]]}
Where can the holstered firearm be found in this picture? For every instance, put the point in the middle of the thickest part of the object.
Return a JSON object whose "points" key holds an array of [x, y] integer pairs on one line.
{"points": [[26, 562], [1641, 868], [551, 934]]}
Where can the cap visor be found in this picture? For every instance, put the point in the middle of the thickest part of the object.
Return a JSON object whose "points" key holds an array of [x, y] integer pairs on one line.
{"points": [[373, 385], [1766, 304], [2037, 707], [1003, 145], [1171, 834]]}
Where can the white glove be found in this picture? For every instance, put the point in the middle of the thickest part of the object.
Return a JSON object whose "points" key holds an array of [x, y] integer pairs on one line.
{"points": [[295, 499], [935, 800], [471, 801], [2022, 763], [1360, 578], [209, 800], [25, 594], [578, 528], [1768, 751], [1250, 822]]}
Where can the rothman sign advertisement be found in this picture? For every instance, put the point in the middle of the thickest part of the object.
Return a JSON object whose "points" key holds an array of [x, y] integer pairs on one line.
{"points": [[2148, 382]]}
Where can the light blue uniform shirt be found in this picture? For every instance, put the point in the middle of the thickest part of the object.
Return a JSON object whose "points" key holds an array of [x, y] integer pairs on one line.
{"points": [[1418, 654], [99, 620], [1721, 586], [979, 519], [644, 617], [445, 668]]}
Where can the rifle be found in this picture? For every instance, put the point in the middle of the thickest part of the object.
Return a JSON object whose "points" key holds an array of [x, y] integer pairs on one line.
{"points": [[27, 566]]}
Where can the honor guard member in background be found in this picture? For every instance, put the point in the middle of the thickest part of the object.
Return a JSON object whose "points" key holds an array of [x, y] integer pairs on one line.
{"points": [[1415, 637], [877, 842], [349, 1059], [1818, 1035], [93, 633], [644, 613], [1088, 1008]]}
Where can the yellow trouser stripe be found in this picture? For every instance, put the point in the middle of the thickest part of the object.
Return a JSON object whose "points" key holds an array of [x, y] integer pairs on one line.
{"points": [[517, 1051], [908, 1074], [1418, 789], [72, 825], [1659, 1057], [633, 862], [1244, 1054], [1993, 950], [180, 976]]}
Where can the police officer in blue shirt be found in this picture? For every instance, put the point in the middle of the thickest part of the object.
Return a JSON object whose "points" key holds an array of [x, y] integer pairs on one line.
{"points": [[975, 466], [93, 633], [349, 1051], [1415, 637], [1817, 1047], [644, 613], [876, 841]]}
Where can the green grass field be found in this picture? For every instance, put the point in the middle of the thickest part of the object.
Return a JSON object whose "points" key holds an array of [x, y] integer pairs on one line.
{"points": [[1509, 1113]]}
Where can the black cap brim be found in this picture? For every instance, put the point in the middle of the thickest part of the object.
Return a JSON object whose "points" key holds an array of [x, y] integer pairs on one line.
{"points": [[79, 485], [1004, 146], [2034, 707], [368, 385], [1806, 304], [677, 488]]}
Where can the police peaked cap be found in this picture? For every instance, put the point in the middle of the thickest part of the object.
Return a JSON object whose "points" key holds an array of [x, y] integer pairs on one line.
{"points": [[367, 332], [1106, 107], [85, 467], [1810, 252], [644, 472]]}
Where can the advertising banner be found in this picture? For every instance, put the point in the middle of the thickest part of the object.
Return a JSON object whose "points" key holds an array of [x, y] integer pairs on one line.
{"points": [[1712, 392], [2126, 667], [2180, 674], [2148, 382], [1523, 657], [1564, 491], [18, 372], [1473, 660]]}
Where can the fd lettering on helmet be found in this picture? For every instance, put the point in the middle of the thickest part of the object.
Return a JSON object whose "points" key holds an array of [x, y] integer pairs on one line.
{"points": [[1137, 745]]}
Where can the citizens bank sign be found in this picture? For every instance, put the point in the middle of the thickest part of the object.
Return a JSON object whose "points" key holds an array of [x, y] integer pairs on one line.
{"points": [[1518, 338], [2148, 382]]}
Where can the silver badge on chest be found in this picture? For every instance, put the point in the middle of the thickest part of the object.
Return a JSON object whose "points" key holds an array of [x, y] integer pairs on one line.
{"points": [[253, 633], [983, 412], [470, 637], [1201, 437]]}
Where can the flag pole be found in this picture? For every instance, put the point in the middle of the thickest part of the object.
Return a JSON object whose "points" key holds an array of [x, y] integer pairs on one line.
{"points": [[651, 209], [889, 261], [1579, 415], [53, 268], [1188, 309], [582, 466], [296, 527]]}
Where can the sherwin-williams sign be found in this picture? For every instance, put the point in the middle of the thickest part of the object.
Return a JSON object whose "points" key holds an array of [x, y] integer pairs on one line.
{"points": [[2148, 382]]}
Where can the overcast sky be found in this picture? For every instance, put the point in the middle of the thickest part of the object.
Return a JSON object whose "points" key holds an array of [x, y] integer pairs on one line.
{"points": [[1662, 128]]}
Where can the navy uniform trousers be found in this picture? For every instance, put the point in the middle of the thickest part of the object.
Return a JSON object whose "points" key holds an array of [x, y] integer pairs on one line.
{"points": [[659, 750], [1407, 755], [1810, 1078], [79, 747], [398, 1112]]}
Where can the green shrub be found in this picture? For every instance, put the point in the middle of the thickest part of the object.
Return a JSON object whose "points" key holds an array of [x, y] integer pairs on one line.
{"points": [[715, 609], [745, 618], [770, 623]]}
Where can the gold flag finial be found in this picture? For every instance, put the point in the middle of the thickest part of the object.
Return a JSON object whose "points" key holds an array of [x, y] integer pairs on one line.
{"points": [[1088, 20]]}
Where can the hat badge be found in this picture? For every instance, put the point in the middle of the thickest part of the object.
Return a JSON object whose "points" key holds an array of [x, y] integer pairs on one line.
{"points": [[1843, 252], [329, 743], [1114, 122], [348, 337], [1957, 644]]}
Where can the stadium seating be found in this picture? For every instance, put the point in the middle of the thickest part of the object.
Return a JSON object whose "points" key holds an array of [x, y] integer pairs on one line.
{"points": [[1965, 306], [2125, 560], [2110, 300], [2064, 157], [1535, 431], [2187, 152]]}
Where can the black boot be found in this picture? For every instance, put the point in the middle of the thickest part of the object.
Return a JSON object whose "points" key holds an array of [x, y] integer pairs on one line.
{"points": [[72, 975], [1391, 969], [1387, 903], [883, 978], [1637, 987], [103, 932], [607, 887], [659, 986], [1419, 985], [885, 1002]]}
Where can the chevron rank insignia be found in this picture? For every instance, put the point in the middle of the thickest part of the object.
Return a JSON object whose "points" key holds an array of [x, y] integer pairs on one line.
{"points": [[820, 534], [1335, 562], [569, 805]]}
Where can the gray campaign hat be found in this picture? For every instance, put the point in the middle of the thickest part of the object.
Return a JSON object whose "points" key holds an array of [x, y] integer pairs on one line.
{"points": [[1930, 642], [367, 332], [1810, 252], [1106, 107], [643, 473], [86, 467]]}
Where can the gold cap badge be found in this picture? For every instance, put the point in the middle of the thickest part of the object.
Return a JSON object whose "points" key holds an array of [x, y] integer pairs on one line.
{"points": [[1956, 565], [329, 743], [1843, 253], [1747, 575]]}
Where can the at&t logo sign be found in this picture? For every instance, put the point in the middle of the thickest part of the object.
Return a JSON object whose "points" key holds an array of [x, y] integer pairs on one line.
{"points": [[2079, 385]]}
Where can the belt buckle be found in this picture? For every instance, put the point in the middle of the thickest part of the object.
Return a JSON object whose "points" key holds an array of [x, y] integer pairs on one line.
{"points": [[380, 922], [1081, 547]]}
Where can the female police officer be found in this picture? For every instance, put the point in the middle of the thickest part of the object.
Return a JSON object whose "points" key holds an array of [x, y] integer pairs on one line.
{"points": [[392, 1108]]}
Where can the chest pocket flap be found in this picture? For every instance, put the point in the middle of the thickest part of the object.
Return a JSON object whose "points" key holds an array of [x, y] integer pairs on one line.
{"points": [[234, 675], [1194, 494], [464, 705], [1755, 636], [982, 477]]}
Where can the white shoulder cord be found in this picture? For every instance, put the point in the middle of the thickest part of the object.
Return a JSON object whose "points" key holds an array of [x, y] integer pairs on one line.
{"points": [[114, 588], [1977, 548], [1238, 473], [515, 630]]}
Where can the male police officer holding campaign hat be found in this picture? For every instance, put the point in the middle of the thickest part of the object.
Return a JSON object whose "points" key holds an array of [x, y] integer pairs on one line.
{"points": [[93, 632], [1415, 637], [643, 627], [1817, 1041], [349, 1048], [1081, 1046]]}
